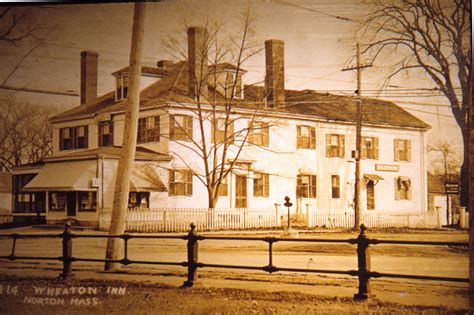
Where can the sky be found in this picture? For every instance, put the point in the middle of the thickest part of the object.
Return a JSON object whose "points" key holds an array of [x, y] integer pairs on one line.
{"points": [[319, 36]]}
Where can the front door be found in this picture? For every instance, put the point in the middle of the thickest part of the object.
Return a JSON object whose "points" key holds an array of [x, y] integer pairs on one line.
{"points": [[240, 191], [71, 204], [370, 195]]}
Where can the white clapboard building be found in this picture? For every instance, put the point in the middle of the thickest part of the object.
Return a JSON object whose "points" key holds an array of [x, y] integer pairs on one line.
{"points": [[302, 148]]}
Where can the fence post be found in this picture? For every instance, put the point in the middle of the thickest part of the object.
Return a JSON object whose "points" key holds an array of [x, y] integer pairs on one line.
{"points": [[363, 263], [67, 251], [193, 248], [277, 215]]}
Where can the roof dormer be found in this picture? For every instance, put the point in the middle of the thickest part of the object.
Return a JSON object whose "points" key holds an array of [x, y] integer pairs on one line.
{"points": [[149, 75], [227, 76]]}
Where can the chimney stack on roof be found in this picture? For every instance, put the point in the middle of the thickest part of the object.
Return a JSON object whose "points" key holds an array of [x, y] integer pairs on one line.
{"points": [[197, 62], [275, 72], [89, 66]]}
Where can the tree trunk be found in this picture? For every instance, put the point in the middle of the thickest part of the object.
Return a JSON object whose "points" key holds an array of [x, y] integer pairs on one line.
{"points": [[464, 199], [114, 250]]}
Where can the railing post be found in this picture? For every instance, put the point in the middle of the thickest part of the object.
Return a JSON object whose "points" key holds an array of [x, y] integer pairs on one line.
{"points": [[193, 248], [67, 251], [363, 263]]}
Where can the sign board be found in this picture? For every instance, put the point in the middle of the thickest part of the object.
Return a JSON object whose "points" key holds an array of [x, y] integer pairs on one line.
{"points": [[387, 167], [452, 188]]}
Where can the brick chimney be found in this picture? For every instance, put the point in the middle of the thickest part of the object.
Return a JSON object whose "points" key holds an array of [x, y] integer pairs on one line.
{"points": [[89, 67], [197, 62], [275, 72]]}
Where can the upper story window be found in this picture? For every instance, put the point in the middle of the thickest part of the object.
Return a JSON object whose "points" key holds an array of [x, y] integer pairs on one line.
{"points": [[306, 186], [305, 137], [259, 133], [233, 89], [335, 186], [121, 91], [180, 183], [370, 148], [261, 185], [181, 127], [106, 134], [334, 145], [402, 150], [219, 134], [402, 188], [72, 138], [148, 129]]}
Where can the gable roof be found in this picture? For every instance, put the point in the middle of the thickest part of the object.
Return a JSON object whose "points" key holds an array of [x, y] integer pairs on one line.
{"points": [[173, 87]]}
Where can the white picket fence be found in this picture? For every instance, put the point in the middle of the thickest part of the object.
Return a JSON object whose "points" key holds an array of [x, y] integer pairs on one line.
{"points": [[345, 219], [178, 220]]}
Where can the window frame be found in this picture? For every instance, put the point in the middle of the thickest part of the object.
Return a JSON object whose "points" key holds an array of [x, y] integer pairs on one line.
{"points": [[180, 188], [259, 133], [181, 133], [138, 197], [311, 190], [62, 197], [91, 196], [370, 153], [402, 154], [223, 190], [121, 87], [106, 139], [335, 186], [73, 140], [147, 133], [217, 135], [403, 188], [261, 184], [303, 141], [337, 151]]}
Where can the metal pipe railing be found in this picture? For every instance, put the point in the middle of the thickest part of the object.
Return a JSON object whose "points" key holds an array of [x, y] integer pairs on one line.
{"points": [[363, 272]]}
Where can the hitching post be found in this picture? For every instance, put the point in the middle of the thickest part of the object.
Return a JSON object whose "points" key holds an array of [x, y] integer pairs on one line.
{"points": [[192, 257], [67, 251], [288, 204], [363, 263]]}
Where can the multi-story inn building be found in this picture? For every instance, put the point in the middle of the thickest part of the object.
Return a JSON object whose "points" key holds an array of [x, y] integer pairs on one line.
{"points": [[301, 148]]}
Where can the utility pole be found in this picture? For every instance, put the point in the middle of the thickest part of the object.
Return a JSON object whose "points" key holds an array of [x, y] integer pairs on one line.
{"points": [[358, 182], [114, 250]]}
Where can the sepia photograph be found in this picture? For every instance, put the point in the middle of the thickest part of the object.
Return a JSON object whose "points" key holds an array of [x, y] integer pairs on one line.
{"points": [[236, 157]]}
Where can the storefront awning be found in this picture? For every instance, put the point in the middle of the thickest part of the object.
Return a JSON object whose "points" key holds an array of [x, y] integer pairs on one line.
{"points": [[145, 178], [70, 176]]}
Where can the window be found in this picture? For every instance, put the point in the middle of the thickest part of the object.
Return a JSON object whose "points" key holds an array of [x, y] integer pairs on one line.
{"points": [[122, 88], [180, 182], [306, 186], [334, 145], [370, 148], [223, 188], [229, 84], [335, 186], [219, 134], [305, 137], [106, 134], [72, 138], [402, 188], [26, 202], [261, 185], [259, 133], [148, 129], [181, 127], [87, 201], [402, 150], [57, 201], [139, 200]]}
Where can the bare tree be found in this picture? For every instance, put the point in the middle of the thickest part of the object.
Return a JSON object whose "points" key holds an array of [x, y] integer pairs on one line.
{"points": [[25, 133], [434, 36], [217, 100]]}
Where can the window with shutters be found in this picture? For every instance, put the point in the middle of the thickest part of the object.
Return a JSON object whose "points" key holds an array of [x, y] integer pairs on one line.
{"points": [[259, 133], [219, 134], [106, 134], [148, 129], [180, 183], [334, 145], [305, 137], [181, 127], [72, 138], [335, 186], [402, 150], [261, 185], [370, 148], [306, 186], [402, 188]]}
